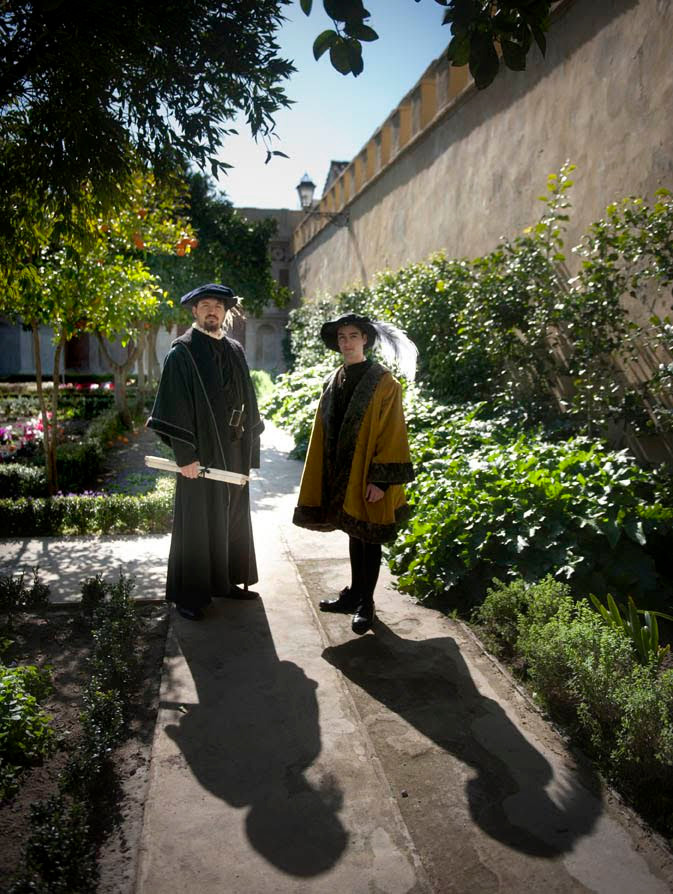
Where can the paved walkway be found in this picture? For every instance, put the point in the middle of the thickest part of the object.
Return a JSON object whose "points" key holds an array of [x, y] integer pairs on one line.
{"points": [[292, 756]]}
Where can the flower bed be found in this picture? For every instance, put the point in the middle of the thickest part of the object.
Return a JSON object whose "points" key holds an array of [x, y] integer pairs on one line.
{"points": [[103, 681]]}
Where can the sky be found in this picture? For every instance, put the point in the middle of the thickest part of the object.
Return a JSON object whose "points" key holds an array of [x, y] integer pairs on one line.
{"points": [[333, 115]]}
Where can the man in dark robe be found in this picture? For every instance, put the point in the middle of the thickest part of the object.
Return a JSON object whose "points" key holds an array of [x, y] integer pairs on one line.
{"points": [[206, 411]]}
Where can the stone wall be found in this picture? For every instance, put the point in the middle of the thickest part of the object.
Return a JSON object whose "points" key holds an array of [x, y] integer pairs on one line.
{"points": [[454, 168]]}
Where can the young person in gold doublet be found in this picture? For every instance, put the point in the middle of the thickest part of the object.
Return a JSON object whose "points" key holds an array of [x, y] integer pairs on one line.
{"points": [[358, 458]]}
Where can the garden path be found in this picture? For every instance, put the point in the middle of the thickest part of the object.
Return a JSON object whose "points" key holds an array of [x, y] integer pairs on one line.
{"points": [[292, 756]]}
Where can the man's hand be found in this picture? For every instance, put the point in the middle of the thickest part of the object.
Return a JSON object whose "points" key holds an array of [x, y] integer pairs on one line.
{"points": [[190, 471], [373, 493]]}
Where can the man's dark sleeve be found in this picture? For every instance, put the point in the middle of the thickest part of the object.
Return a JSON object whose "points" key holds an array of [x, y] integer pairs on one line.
{"points": [[184, 453], [172, 415]]}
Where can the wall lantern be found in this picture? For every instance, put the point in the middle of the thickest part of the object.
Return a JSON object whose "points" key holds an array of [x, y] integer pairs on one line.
{"points": [[306, 190]]}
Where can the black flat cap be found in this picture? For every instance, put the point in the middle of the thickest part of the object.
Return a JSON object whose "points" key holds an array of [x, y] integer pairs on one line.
{"points": [[211, 290], [328, 331]]}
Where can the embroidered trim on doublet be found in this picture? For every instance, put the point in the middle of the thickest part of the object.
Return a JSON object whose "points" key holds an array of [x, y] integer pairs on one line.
{"points": [[390, 473], [369, 531], [311, 517]]}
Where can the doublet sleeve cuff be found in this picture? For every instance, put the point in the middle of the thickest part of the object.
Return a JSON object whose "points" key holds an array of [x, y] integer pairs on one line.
{"points": [[390, 473]]}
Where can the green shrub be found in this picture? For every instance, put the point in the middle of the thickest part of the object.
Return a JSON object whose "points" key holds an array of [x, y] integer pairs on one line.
{"points": [[103, 716], [498, 615], [102, 721], [84, 404], [94, 591], [149, 513], [493, 498], [577, 665], [16, 596], [106, 426], [262, 383], [113, 663], [18, 406], [78, 465], [642, 757], [294, 400], [510, 609], [60, 856], [587, 672], [26, 737], [18, 480]]}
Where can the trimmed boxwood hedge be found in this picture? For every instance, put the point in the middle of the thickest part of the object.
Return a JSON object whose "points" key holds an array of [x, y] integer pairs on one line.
{"points": [[89, 513]]}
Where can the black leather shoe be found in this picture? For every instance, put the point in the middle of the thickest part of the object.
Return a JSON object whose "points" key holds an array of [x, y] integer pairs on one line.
{"points": [[363, 619], [191, 614], [345, 604]]}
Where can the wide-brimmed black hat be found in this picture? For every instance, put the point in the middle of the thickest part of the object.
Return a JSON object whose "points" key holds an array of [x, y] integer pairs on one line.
{"points": [[211, 290], [328, 331]]}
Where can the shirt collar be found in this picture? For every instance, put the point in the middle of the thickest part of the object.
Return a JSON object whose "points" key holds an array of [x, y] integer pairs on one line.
{"points": [[217, 335]]}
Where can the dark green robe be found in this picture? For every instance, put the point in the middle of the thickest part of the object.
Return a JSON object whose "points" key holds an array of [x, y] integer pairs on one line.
{"points": [[212, 546]]}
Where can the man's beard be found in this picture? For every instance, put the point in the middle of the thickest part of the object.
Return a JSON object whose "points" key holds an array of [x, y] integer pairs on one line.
{"points": [[211, 325]]}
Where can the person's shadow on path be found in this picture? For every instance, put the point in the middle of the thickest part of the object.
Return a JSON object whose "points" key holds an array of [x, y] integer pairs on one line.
{"points": [[254, 733], [428, 684]]}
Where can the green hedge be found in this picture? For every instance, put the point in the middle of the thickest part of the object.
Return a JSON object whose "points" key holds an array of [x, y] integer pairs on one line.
{"points": [[20, 480], [89, 513], [72, 404], [77, 465]]}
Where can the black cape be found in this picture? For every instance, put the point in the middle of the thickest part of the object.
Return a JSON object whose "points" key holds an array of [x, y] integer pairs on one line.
{"points": [[212, 547]]}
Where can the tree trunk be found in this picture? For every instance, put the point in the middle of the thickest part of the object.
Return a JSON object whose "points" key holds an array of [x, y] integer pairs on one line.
{"points": [[153, 369], [55, 381], [142, 368], [47, 435], [120, 395], [120, 371]]}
